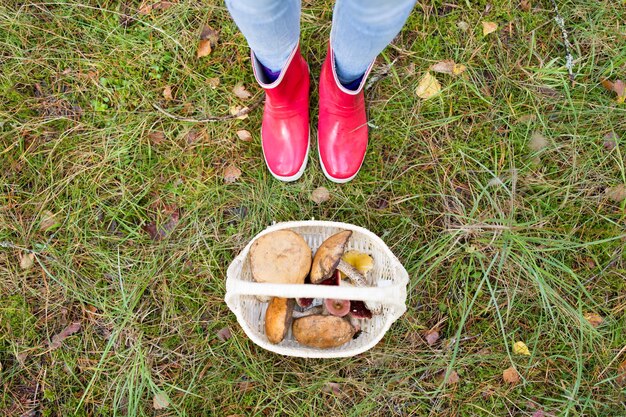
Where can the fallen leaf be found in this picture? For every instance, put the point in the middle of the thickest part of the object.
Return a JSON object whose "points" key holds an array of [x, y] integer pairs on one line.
{"points": [[320, 195], [224, 334], [428, 87], [618, 87], [510, 375], [432, 336], [192, 136], [332, 388], [610, 141], [520, 348], [157, 137], [244, 135], [464, 26], [27, 260], [163, 5], [213, 82], [539, 413], [160, 231], [617, 193], [208, 40], [58, 338], [235, 110], [167, 93], [160, 401], [538, 142], [453, 378], [594, 319], [448, 66], [48, 221], [231, 174], [241, 92], [204, 48], [145, 8], [489, 27], [525, 5], [621, 374]]}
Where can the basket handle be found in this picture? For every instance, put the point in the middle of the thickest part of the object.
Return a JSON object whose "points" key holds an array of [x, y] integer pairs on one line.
{"points": [[386, 294]]}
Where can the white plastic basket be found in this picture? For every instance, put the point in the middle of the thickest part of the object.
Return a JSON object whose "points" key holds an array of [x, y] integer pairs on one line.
{"points": [[387, 286]]}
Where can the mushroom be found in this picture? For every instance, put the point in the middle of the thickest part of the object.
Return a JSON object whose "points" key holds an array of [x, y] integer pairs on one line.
{"points": [[322, 331], [280, 257], [278, 318], [337, 308], [328, 256]]}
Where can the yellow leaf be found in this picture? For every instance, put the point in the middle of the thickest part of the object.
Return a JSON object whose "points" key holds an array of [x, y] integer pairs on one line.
{"points": [[235, 110], [27, 260], [448, 66], [428, 87], [520, 348], [489, 27]]}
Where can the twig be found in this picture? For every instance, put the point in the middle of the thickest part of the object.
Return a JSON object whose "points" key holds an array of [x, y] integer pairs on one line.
{"points": [[207, 119], [569, 59]]}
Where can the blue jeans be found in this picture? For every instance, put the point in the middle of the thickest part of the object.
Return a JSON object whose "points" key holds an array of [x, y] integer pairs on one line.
{"points": [[361, 30]]}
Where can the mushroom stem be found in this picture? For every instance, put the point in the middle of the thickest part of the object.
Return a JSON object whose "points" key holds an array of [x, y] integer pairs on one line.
{"points": [[359, 280], [310, 312], [352, 273]]}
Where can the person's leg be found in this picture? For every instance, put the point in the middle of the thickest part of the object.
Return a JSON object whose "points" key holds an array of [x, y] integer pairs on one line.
{"points": [[272, 29], [361, 30]]}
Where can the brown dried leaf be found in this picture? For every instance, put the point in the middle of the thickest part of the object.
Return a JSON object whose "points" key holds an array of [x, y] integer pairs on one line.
{"points": [[453, 378], [320, 195], [231, 174], [448, 66], [156, 137], [208, 41], [489, 27], [204, 48], [617, 193], [594, 319], [192, 136], [158, 232], [618, 87], [58, 338], [48, 221], [244, 135], [525, 5], [145, 8], [241, 92], [27, 260], [432, 336], [510, 375], [332, 388], [621, 374], [224, 334], [160, 401], [163, 5], [167, 93], [213, 82]]}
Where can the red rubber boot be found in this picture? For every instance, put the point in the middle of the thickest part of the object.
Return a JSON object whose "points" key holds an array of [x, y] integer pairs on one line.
{"points": [[285, 128], [342, 127]]}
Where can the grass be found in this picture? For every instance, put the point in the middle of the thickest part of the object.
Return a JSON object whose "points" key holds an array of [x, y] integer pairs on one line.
{"points": [[503, 240]]}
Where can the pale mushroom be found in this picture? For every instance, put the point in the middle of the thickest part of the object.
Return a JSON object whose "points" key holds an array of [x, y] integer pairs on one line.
{"points": [[280, 257]]}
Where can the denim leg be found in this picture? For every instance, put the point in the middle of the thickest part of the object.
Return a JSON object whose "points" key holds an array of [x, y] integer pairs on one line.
{"points": [[362, 29], [271, 27]]}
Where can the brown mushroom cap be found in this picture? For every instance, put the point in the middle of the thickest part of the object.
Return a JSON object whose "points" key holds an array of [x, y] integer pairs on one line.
{"points": [[322, 331], [328, 256], [278, 318], [280, 257]]}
